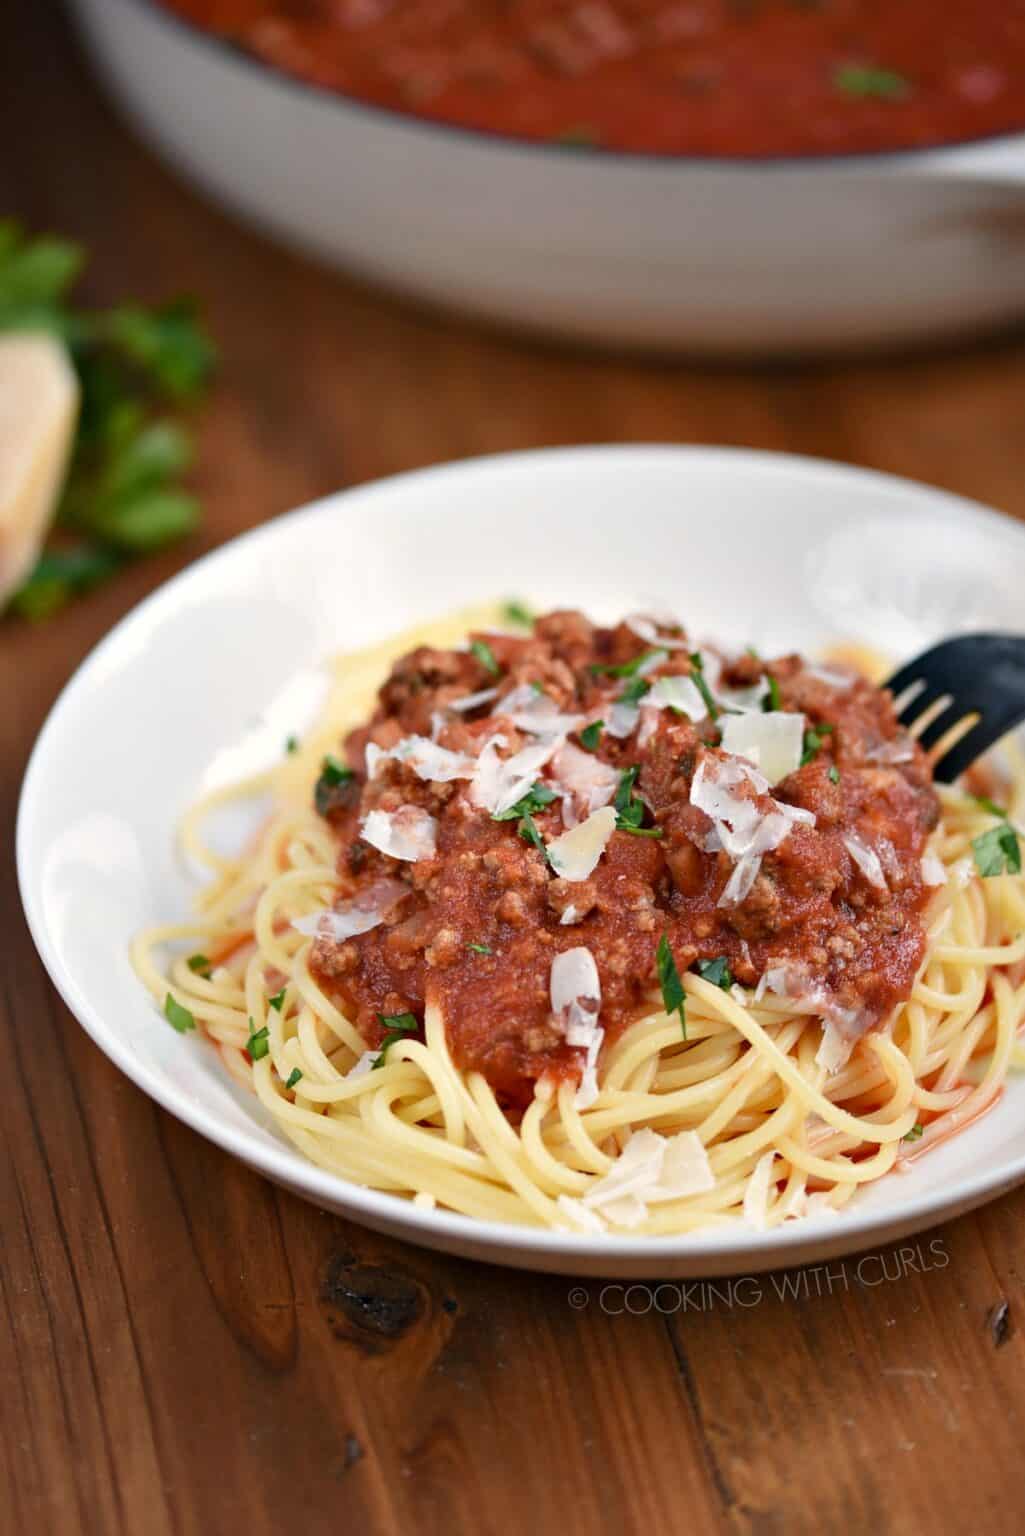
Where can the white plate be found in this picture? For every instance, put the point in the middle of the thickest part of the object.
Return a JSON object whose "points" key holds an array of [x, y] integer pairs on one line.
{"points": [[781, 551]]}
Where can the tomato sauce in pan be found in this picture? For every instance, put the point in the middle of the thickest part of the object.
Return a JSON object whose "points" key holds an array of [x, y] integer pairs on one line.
{"points": [[703, 77]]}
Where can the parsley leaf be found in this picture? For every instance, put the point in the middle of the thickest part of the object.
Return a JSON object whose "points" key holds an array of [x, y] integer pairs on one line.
{"points": [[812, 745], [121, 498], [515, 612], [528, 830], [538, 796], [199, 964], [716, 971], [333, 773], [479, 949], [674, 999], [625, 668], [258, 1044], [295, 1076], [634, 691], [868, 82], [630, 808], [834, 774], [486, 656], [278, 1000], [773, 699], [396, 1027], [291, 745], [698, 676], [991, 806], [915, 1133], [178, 1017], [997, 851], [590, 736]]}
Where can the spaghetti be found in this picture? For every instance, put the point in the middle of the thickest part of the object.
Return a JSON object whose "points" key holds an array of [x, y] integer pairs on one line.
{"points": [[720, 1100]]}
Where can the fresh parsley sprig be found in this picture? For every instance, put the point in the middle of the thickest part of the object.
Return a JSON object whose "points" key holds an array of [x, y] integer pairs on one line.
{"points": [[123, 497], [630, 808], [998, 851], [716, 971], [396, 1026], [674, 999]]}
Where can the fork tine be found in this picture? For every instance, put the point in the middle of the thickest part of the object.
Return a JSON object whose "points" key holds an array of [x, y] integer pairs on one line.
{"points": [[961, 756], [938, 727]]}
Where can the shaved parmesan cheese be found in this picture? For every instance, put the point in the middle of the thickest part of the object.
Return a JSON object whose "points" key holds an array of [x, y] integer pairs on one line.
{"points": [[622, 720], [647, 628], [570, 915], [348, 918], [473, 700], [578, 1216], [575, 992], [428, 760], [933, 871], [498, 782], [650, 1170], [739, 825], [536, 713], [589, 782], [756, 1195], [651, 663], [841, 1026], [575, 854], [366, 1063], [408, 833], [867, 860], [679, 693], [835, 1049], [774, 742]]}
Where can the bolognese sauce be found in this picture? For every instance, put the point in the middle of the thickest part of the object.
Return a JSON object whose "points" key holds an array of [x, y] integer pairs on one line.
{"points": [[614, 790], [712, 77]]}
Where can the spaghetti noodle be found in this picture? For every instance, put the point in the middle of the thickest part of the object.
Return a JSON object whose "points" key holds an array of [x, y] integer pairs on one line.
{"points": [[712, 1103]]}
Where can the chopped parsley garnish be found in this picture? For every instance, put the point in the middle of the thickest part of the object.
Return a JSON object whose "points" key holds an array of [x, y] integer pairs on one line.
{"points": [[333, 772], [178, 1017], [538, 796], [199, 965], [292, 745], [515, 612], [634, 691], [834, 774], [630, 808], [295, 1076], [997, 851], [701, 682], [278, 1000], [716, 971], [674, 998], [869, 82], [813, 741], [991, 806], [773, 699], [590, 736], [528, 830], [486, 656], [479, 949], [626, 668], [258, 1044], [915, 1133], [396, 1027]]}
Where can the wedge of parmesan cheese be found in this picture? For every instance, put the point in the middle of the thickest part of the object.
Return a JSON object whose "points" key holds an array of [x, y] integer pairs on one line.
{"points": [[38, 411]]}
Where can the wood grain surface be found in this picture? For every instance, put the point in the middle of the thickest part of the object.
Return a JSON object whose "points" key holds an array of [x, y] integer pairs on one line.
{"points": [[184, 1348]]}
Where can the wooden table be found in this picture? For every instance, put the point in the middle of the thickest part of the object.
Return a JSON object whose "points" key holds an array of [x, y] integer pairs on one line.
{"points": [[186, 1349]]}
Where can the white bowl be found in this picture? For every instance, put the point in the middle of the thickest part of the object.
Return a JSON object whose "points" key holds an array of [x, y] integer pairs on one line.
{"points": [[748, 546], [716, 256]]}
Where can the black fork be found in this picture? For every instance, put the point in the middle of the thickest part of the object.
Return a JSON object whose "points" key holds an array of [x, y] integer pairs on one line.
{"points": [[980, 675]]}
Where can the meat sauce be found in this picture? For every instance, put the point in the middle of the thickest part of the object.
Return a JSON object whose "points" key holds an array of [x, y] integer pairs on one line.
{"points": [[478, 923], [715, 77]]}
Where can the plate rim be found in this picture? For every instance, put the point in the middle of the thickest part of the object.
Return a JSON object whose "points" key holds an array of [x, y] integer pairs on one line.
{"points": [[494, 1241]]}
